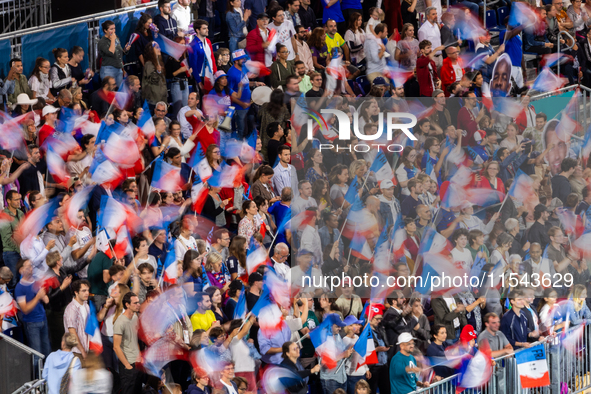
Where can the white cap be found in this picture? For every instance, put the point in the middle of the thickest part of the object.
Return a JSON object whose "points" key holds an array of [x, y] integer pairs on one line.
{"points": [[404, 337], [386, 184], [49, 109]]}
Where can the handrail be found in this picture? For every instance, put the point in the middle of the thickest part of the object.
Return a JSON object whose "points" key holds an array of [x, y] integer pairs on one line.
{"points": [[21, 346], [27, 387], [68, 22]]}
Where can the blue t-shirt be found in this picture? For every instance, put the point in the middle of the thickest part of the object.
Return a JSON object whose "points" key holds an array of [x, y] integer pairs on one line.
{"points": [[402, 382], [333, 12], [352, 4], [408, 208], [514, 48], [447, 217], [281, 214], [28, 290], [234, 77]]}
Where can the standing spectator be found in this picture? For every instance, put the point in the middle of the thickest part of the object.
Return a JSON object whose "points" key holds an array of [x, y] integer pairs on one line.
{"points": [[409, 13], [97, 99], [111, 52], [448, 36], [166, 24], [201, 57], [257, 8], [93, 378], [561, 187], [291, 13], [430, 31], [484, 46], [10, 249], [514, 48], [285, 32], [437, 349], [538, 232], [60, 73], [60, 363], [427, 69], [76, 315], [407, 49], [335, 40], [355, 38], [236, 20], [403, 367], [307, 15], [452, 69], [468, 120], [176, 71], [303, 49], [514, 323], [39, 81], [281, 68], [145, 36], [257, 43], [154, 75], [283, 171], [125, 344], [189, 114], [98, 277], [332, 11], [397, 320], [375, 52], [451, 314], [29, 295], [181, 12]]}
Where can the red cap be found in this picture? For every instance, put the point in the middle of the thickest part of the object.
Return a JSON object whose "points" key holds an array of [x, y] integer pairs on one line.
{"points": [[467, 334], [375, 310]]}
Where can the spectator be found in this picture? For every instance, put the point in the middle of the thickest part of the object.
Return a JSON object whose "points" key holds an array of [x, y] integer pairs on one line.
{"points": [[407, 49], [60, 73], [125, 344], [202, 56], [291, 13], [427, 69], [257, 43], [111, 52], [403, 367], [39, 81], [181, 13], [97, 99], [281, 68], [76, 315], [166, 24], [514, 324], [153, 79], [429, 31], [437, 349], [29, 297], [11, 250], [61, 362], [20, 81], [236, 20], [307, 15], [452, 69], [291, 360], [374, 52], [335, 40], [538, 232], [451, 314], [285, 32]]}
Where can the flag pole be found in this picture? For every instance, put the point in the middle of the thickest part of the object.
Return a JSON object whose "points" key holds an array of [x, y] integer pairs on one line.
{"points": [[505, 200], [245, 320]]}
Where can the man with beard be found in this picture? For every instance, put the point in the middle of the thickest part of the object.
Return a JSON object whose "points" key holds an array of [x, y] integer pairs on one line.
{"points": [[167, 26]]}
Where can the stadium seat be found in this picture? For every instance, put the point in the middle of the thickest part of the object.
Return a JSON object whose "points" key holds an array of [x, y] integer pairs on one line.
{"points": [[491, 19], [502, 13], [363, 82]]}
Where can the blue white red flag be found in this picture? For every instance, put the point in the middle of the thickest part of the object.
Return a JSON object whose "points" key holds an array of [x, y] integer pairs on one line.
{"points": [[533, 367], [93, 331]]}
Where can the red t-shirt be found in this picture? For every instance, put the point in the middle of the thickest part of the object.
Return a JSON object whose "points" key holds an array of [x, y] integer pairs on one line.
{"points": [[44, 132]]}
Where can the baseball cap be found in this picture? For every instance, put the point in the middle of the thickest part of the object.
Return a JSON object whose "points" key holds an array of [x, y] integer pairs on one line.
{"points": [[404, 338], [49, 109], [352, 320], [262, 15], [437, 92], [255, 277], [386, 184], [555, 203], [468, 334], [379, 81], [219, 74]]}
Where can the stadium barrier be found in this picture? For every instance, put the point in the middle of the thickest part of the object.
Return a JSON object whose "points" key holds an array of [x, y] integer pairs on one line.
{"points": [[16, 15], [569, 370], [18, 362], [36, 386]]}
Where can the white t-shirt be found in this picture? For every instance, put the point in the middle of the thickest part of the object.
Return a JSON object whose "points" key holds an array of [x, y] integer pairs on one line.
{"points": [[458, 71], [181, 245], [83, 236], [101, 382], [241, 356], [107, 328], [373, 23], [462, 259], [284, 33]]}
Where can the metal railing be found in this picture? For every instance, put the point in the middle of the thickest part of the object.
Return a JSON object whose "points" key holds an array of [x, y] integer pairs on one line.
{"points": [[569, 372], [18, 361], [93, 30], [21, 14], [36, 386]]}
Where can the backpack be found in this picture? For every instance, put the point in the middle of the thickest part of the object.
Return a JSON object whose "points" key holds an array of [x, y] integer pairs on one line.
{"points": [[65, 382]]}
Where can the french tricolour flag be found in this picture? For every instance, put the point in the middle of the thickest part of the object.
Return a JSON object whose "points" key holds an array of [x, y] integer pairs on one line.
{"points": [[166, 177], [366, 348], [170, 268], [93, 331], [199, 164], [532, 367], [476, 372]]}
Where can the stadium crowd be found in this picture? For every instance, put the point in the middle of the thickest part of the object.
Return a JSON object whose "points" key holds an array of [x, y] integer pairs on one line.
{"points": [[170, 203]]}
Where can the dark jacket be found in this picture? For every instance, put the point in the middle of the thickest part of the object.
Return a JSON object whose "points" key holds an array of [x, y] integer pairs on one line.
{"points": [[58, 299], [446, 318], [395, 324], [302, 386], [166, 27]]}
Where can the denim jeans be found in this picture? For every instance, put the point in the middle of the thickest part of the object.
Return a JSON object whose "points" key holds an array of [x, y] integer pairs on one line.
{"points": [[10, 260], [180, 97], [329, 386], [110, 71], [38, 338], [239, 122], [233, 44], [352, 381]]}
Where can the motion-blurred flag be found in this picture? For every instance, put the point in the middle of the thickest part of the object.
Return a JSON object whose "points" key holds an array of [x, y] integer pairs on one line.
{"points": [[171, 48], [93, 331], [166, 177], [477, 371], [547, 81], [365, 347]]}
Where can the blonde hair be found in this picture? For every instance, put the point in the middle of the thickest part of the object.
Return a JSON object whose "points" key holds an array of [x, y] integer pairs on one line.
{"points": [[212, 258], [123, 289], [355, 166], [70, 340], [575, 295], [91, 363]]}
